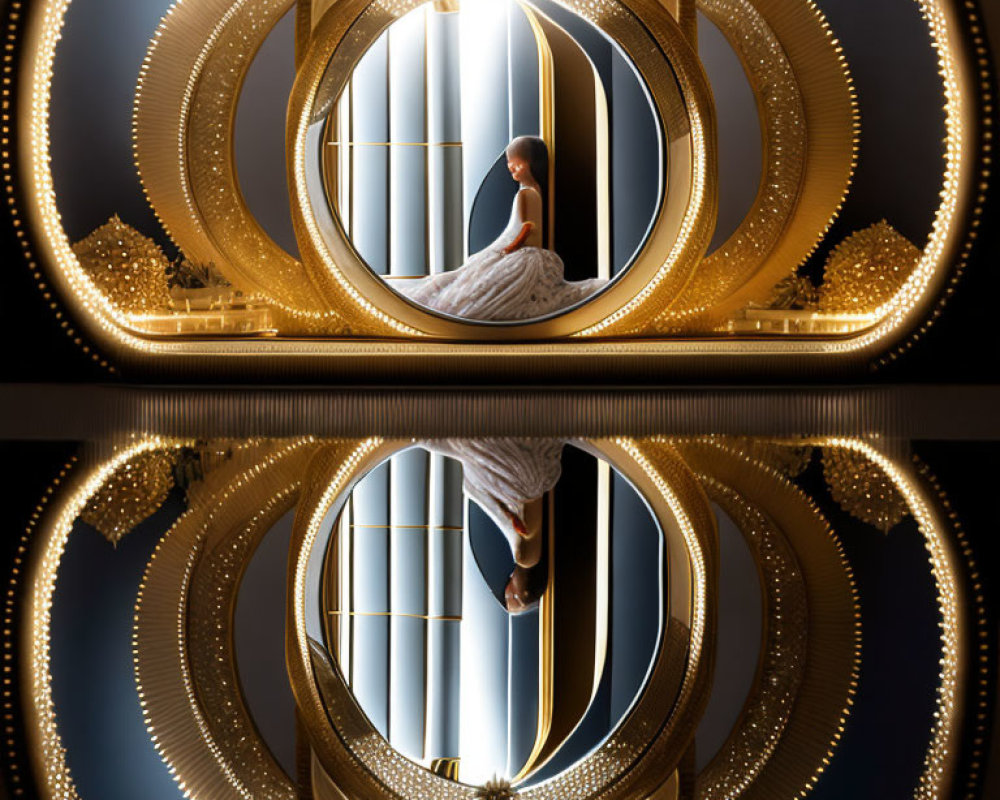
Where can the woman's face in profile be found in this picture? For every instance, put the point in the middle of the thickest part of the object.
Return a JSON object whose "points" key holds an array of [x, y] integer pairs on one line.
{"points": [[518, 167], [517, 596]]}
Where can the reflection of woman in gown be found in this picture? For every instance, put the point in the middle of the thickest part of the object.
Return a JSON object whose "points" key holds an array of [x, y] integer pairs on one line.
{"points": [[508, 478], [514, 278]]}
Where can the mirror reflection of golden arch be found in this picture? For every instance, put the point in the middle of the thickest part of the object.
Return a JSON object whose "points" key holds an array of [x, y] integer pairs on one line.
{"points": [[44, 543], [781, 744], [183, 636], [638, 758]]}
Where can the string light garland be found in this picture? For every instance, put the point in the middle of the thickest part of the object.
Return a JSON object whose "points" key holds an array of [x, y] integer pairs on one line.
{"points": [[132, 494], [867, 269], [862, 488]]}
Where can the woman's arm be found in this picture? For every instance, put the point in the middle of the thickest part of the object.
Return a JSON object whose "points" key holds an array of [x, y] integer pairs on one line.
{"points": [[523, 210], [521, 236]]}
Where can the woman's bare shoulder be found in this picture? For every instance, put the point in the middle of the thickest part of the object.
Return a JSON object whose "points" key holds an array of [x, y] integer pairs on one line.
{"points": [[529, 191]]}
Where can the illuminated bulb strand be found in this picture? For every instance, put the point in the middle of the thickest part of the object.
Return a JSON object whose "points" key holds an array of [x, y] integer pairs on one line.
{"points": [[56, 773], [980, 646], [14, 25], [893, 312], [933, 781], [736, 447], [184, 114], [783, 113], [218, 503], [985, 77], [114, 322]]}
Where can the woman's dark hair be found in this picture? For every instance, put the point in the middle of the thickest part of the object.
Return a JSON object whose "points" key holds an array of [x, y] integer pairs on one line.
{"points": [[533, 150], [536, 153], [535, 584]]}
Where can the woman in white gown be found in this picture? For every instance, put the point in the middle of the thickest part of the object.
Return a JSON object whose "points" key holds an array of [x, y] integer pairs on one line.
{"points": [[508, 478], [514, 278]]}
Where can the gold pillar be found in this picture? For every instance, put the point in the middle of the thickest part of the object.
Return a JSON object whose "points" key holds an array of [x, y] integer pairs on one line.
{"points": [[686, 14], [303, 29]]}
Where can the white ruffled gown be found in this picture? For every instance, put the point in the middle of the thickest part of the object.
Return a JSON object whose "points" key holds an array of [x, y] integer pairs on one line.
{"points": [[494, 285], [503, 474]]}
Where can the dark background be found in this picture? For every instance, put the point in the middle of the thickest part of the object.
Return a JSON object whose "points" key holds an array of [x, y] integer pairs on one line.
{"points": [[884, 737], [898, 174]]}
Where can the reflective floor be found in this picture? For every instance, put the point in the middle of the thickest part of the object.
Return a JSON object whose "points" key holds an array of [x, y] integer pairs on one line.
{"points": [[698, 594]]}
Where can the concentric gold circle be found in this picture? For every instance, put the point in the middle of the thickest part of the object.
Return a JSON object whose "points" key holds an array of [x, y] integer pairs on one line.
{"points": [[639, 756], [658, 48]]}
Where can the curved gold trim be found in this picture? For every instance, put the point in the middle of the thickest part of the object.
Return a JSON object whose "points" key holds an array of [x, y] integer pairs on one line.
{"points": [[661, 723], [679, 236], [183, 137], [802, 743], [809, 123]]}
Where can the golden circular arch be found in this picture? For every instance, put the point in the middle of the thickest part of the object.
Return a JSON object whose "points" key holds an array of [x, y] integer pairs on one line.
{"points": [[783, 743], [47, 536], [669, 66], [637, 758], [183, 126], [808, 123]]}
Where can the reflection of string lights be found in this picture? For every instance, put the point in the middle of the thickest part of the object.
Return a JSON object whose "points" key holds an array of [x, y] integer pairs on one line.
{"points": [[863, 489], [934, 780], [132, 494], [56, 526], [40, 714], [789, 460], [782, 505], [191, 704], [867, 269]]}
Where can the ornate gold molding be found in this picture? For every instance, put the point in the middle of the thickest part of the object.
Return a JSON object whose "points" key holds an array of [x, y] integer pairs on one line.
{"points": [[952, 35], [636, 757], [808, 119], [183, 638]]}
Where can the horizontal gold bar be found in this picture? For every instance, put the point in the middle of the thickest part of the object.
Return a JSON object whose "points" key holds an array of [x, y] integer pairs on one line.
{"points": [[394, 144], [410, 527], [393, 614]]}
